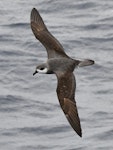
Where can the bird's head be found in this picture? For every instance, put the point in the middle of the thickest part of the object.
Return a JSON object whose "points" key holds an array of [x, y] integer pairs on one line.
{"points": [[42, 69]]}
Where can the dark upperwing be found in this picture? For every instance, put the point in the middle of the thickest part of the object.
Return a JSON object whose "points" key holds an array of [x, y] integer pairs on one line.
{"points": [[66, 93], [52, 45]]}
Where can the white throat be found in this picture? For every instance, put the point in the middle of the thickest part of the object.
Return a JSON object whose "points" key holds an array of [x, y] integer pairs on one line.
{"points": [[44, 71]]}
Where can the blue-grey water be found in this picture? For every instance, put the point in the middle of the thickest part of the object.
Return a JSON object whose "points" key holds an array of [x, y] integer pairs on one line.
{"points": [[30, 115]]}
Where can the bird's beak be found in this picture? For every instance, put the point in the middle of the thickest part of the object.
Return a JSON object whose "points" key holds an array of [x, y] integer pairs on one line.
{"points": [[35, 72]]}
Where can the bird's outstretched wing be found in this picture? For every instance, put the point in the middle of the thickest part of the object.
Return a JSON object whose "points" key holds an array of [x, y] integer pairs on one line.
{"points": [[66, 92], [52, 45]]}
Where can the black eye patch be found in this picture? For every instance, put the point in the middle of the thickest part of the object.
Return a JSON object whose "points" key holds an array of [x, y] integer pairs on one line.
{"points": [[41, 68]]}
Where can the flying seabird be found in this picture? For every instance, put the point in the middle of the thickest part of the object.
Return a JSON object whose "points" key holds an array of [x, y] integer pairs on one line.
{"points": [[60, 64]]}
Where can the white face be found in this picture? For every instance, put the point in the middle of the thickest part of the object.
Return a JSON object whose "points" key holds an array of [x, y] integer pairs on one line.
{"points": [[42, 71]]}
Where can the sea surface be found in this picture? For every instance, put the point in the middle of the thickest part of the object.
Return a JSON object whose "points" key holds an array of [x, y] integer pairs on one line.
{"points": [[30, 115]]}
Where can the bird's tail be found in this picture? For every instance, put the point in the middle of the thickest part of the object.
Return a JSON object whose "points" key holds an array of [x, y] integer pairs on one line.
{"points": [[86, 62]]}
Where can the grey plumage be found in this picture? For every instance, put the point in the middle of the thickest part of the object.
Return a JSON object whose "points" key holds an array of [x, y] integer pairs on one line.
{"points": [[63, 66]]}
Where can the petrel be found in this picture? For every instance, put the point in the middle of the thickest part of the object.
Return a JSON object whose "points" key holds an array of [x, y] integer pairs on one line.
{"points": [[60, 64]]}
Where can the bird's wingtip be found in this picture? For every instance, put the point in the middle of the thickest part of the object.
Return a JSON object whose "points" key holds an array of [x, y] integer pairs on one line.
{"points": [[80, 134], [34, 9]]}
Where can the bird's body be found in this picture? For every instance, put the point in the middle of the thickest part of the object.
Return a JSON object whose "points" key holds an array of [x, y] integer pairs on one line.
{"points": [[62, 65]]}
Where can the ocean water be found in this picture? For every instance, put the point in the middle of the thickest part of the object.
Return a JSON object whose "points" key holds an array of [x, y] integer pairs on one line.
{"points": [[30, 115]]}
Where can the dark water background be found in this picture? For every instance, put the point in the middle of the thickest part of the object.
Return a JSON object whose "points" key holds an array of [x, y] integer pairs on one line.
{"points": [[30, 115]]}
